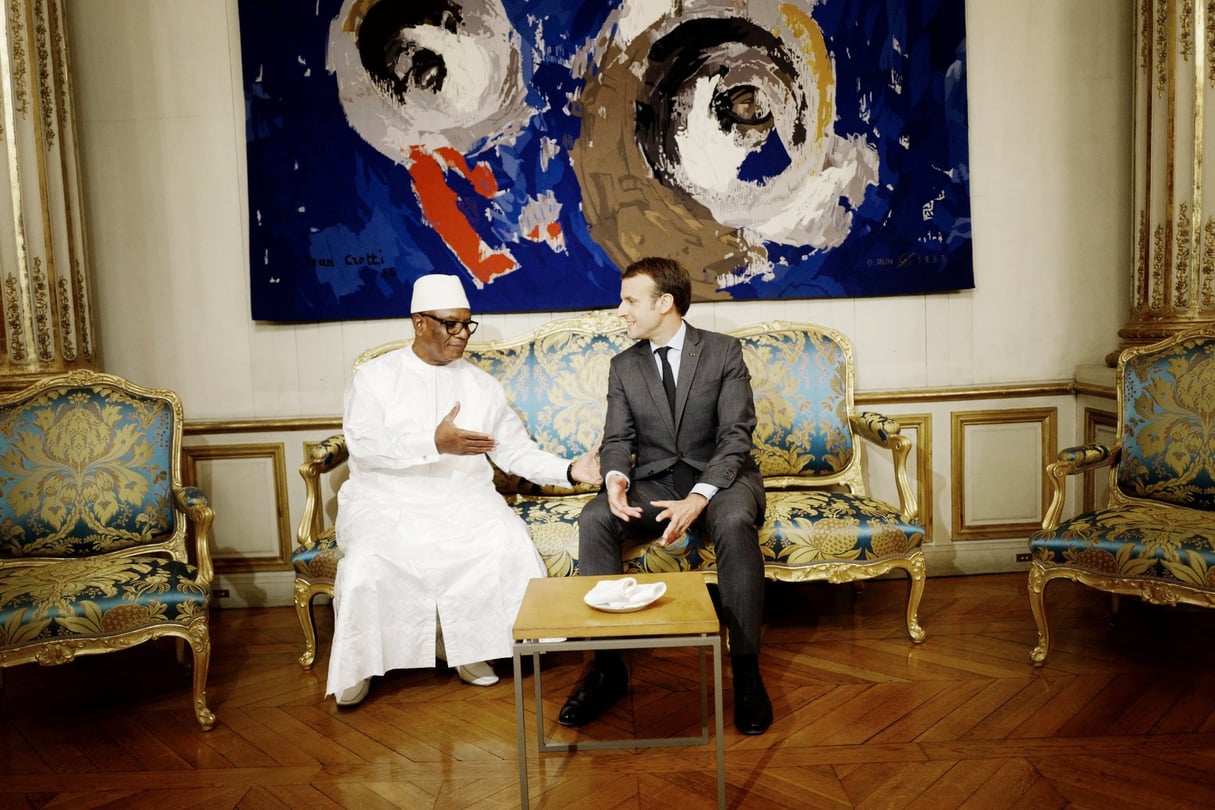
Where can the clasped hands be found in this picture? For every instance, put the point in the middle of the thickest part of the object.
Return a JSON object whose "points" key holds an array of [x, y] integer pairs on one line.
{"points": [[457, 441], [680, 514]]}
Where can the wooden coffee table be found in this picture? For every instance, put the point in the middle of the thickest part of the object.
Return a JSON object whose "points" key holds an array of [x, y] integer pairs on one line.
{"points": [[553, 617]]}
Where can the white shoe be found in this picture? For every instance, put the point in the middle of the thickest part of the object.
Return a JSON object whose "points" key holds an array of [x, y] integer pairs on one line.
{"points": [[478, 674], [355, 694]]}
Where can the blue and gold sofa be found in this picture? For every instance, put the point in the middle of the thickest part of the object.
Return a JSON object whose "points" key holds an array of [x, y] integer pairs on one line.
{"points": [[820, 525], [93, 526], [1155, 537]]}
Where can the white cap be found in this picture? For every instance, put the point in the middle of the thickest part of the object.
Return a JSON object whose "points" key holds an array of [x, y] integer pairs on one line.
{"points": [[437, 291]]}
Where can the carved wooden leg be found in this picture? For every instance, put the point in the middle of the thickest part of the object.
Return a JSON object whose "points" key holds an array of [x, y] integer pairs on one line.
{"points": [[917, 574], [1037, 603], [200, 640], [303, 610]]}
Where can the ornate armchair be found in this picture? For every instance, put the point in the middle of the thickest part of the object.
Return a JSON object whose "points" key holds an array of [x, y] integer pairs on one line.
{"points": [[93, 526], [1155, 538]]}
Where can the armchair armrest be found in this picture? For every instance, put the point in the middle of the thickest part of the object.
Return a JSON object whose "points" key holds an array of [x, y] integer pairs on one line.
{"points": [[1085, 457], [193, 501], [887, 433], [1070, 461], [324, 457]]}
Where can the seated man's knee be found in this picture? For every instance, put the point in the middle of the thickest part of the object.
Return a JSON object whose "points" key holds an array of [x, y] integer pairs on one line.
{"points": [[596, 513], [725, 522]]}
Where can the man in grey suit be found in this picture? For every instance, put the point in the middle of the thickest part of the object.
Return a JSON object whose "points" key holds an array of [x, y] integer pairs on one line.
{"points": [[676, 452]]}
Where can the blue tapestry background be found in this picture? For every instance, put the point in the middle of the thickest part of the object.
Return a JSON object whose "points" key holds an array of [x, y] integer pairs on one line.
{"points": [[338, 230]]}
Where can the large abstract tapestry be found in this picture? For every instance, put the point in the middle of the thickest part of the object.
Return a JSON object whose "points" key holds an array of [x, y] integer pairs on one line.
{"points": [[779, 150]]}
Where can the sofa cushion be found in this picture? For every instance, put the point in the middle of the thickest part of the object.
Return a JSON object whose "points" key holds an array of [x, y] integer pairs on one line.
{"points": [[1138, 539], [803, 528], [553, 523], [318, 562], [97, 597]]}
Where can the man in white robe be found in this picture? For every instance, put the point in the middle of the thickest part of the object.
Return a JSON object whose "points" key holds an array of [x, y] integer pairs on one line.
{"points": [[422, 530]]}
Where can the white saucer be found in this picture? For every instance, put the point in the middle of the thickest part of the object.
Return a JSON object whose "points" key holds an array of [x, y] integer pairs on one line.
{"points": [[613, 607], [650, 594]]}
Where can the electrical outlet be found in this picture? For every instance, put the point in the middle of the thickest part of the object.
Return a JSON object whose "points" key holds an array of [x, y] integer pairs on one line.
{"points": [[1024, 557], [220, 593]]}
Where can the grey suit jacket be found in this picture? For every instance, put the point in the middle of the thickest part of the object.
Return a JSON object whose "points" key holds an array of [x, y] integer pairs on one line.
{"points": [[714, 406]]}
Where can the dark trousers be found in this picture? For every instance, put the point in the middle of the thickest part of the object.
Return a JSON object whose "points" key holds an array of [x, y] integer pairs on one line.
{"points": [[729, 519]]}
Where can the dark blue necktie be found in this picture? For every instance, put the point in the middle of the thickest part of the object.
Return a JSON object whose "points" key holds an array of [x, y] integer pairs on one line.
{"points": [[668, 376], [683, 475]]}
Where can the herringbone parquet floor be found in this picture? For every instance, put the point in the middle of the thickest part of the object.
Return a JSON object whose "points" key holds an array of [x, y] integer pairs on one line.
{"points": [[1121, 716]]}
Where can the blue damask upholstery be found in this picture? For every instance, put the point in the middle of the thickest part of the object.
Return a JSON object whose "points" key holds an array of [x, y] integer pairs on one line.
{"points": [[820, 524], [1168, 415], [1155, 538], [801, 380], [93, 521], [556, 379]]}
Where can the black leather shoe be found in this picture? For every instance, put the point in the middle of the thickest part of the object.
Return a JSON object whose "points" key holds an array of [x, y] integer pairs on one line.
{"points": [[752, 708], [601, 687]]}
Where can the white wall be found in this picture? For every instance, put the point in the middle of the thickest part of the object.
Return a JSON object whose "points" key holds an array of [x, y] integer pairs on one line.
{"points": [[161, 125]]}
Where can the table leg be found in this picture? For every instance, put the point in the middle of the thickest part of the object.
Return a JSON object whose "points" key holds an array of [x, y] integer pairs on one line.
{"points": [[520, 723], [541, 745], [704, 695], [721, 748]]}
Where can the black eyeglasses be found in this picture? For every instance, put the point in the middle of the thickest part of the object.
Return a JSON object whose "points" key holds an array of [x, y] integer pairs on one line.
{"points": [[453, 327]]}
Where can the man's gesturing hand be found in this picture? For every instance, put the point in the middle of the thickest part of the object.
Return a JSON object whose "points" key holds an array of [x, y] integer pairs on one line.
{"points": [[681, 514], [459, 442], [618, 498]]}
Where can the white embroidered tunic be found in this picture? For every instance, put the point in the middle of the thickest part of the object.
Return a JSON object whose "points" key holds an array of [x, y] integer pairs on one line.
{"points": [[422, 532]]}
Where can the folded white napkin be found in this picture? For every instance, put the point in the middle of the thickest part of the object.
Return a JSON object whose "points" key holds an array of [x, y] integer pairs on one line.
{"points": [[624, 593]]}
